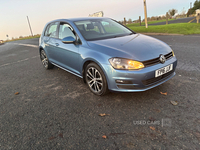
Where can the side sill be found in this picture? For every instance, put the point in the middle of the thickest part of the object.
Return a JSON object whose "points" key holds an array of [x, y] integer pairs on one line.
{"points": [[67, 70]]}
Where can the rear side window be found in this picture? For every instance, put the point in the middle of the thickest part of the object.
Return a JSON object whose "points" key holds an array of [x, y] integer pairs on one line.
{"points": [[51, 30]]}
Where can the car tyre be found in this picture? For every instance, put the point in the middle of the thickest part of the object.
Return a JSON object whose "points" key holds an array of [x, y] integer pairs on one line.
{"points": [[96, 80], [45, 60]]}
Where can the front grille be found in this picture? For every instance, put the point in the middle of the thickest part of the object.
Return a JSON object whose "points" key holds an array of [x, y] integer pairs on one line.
{"points": [[154, 80], [156, 60], [168, 56]]}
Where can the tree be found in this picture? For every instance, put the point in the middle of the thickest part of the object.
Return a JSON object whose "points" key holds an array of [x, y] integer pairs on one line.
{"points": [[124, 21], [153, 18], [172, 12], [196, 6], [129, 21]]}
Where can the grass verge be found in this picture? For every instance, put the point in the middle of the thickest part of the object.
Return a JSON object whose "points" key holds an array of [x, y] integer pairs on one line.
{"points": [[24, 38], [150, 22], [179, 28]]}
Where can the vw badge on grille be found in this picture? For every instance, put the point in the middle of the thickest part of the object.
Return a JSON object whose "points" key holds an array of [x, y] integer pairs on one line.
{"points": [[162, 59]]}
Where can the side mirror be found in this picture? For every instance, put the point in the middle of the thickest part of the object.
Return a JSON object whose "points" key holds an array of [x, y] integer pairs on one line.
{"points": [[68, 40]]}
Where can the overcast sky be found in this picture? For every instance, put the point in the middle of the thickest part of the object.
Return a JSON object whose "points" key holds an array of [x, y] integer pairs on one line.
{"points": [[13, 21]]}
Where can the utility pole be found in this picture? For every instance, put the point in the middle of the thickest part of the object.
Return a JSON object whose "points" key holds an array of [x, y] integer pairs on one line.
{"points": [[30, 26], [7, 37], [167, 17], [124, 21], [190, 7], [145, 13]]}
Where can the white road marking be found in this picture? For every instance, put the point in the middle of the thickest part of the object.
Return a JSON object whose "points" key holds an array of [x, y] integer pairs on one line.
{"points": [[22, 60], [29, 45], [19, 61], [5, 64], [34, 56], [26, 45]]}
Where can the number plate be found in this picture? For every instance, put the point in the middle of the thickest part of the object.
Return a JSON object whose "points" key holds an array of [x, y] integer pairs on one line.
{"points": [[164, 70]]}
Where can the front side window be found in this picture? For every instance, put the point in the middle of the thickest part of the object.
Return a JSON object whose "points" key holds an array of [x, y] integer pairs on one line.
{"points": [[66, 30], [51, 30], [96, 29]]}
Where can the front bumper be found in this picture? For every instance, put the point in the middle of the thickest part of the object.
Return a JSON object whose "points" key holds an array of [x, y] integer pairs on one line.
{"points": [[141, 80]]}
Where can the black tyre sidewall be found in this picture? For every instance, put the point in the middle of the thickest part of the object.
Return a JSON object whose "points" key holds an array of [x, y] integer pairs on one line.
{"points": [[105, 86], [49, 65]]}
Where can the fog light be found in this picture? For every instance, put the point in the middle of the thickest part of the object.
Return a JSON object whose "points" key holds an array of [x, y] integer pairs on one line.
{"points": [[123, 81]]}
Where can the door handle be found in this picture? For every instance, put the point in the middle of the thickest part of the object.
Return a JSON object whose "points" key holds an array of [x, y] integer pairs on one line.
{"points": [[57, 44]]}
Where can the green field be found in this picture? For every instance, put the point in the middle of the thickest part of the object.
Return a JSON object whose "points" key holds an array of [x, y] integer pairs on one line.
{"points": [[150, 22], [24, 38], [179, 28]]}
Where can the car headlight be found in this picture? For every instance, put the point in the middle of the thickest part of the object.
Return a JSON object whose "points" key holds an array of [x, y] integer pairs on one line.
{"points": [[125, 64], [173, 53]]}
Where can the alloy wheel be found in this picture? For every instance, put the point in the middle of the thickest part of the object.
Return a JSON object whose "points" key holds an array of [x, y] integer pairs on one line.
{"points": [[44, 59], [94, 80]]}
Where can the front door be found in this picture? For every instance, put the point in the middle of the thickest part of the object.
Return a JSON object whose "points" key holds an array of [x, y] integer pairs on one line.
{"points": [[68, 54]]}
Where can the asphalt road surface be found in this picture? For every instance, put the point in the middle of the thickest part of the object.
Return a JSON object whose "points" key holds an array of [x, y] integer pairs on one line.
{"points": [[55, 110], [180, 20]]}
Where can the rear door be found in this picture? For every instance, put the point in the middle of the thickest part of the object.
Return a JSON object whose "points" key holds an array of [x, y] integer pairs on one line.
{"points": [[50, 37]]}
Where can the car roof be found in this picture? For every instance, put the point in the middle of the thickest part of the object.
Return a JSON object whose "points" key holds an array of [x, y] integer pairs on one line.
{"points": [[79, 19]]}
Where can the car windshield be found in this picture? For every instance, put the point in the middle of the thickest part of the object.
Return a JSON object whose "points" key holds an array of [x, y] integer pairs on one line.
{"points": [[97, 29]]}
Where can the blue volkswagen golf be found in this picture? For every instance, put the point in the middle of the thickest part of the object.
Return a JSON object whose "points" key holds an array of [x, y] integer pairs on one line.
{"points": [[106, 54]]}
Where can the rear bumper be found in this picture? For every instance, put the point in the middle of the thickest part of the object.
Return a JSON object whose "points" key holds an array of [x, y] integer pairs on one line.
{"points": [[139, 80]]}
